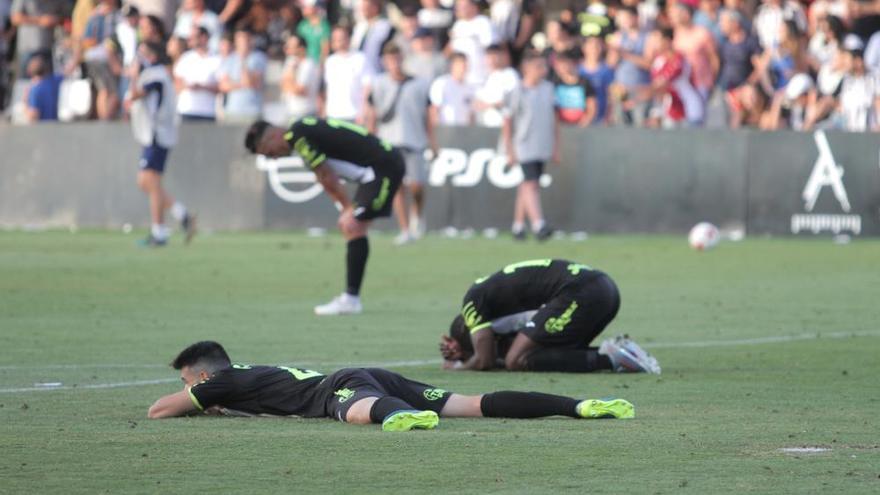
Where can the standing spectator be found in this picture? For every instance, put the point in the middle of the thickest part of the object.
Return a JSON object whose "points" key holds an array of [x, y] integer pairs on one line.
{"points": [[698, 47], [740, 58], [770, 17], [531, 138], [424, 60], [600, 75], [41, 99], [781, 61], [315, 29], [471, 35], [151, 29], [194, 15], [789, 107], [346, 79], [825, 45], [398, 113], [151, 103], [300, 80], [241, 79], [859, 95], [504, 15], [127, 38], [163, 11], [35, 22], [559, 39], [195, 78], [627, 54], [102, 58], [574, 95], [492, 95], [680, 103], [531, 13], [371, 33], [438, 20], [175, 49], [708, 16], [451, 95], [405, 34]]}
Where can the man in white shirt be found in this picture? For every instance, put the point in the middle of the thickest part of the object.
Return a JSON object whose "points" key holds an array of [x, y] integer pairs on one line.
{"points": [[346, 79], [471, 34], [300, 80], [451, 95], [194, 14], [151, 103], [371, 33], [501, 81], [195, 77]]}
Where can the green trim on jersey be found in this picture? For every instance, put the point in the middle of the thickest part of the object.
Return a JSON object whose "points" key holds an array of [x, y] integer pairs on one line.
{"points": [[544, 263], [471, 318], [380, 200], [195, 401], [556, 325], [480, 327]]}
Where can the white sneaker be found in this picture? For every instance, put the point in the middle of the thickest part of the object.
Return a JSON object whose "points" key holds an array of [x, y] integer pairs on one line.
{"points": [[403, 238], [627, 356], [344, 304]]}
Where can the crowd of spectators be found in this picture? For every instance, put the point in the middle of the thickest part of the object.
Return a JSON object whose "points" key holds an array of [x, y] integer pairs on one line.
{"points": [[766, 64]]}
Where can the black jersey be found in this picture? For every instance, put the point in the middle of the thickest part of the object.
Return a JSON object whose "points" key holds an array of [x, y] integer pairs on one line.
{"points": [[520, 287], [275, 390], [316, 139]]}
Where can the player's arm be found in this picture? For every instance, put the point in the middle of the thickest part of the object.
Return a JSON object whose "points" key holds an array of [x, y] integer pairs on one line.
{"points": [[330, 181], [483, 358], [173, 405]]}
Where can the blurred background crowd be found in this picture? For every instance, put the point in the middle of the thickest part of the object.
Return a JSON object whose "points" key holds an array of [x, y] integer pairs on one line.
{"points": [[766, 64]]}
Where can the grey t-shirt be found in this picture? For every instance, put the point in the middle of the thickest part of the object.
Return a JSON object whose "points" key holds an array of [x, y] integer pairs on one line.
{"points": [[534, 121], [31, 37], [405, 125]]}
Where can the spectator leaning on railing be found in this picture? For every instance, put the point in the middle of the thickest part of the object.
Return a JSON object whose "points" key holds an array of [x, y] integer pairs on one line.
{"points": [[500, 82], [346, 79], [241, 79]]}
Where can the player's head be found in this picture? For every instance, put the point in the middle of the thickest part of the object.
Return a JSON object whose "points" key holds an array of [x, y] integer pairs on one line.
{"points": [[200, 361], [263, 138], [459, 333]]}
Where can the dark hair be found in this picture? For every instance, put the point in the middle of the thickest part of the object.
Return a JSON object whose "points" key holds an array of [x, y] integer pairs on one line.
{"points": [[158, 50], [255, 135], [300, 39], [207, 353], [40, 63], [391, 49], [628, 8], [457, 55], [494, 47], [158, 25], [573, 54], [532, 55], [459, 333], [836, 26], [667, 33], [203, 31]]}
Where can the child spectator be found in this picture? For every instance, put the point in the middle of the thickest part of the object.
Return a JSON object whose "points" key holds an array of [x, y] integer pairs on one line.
{"points": [[575, 96], [451, 95], [598, 73]]}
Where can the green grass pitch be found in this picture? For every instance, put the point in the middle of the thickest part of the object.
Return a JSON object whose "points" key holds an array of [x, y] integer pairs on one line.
{"points": [[765, 344]]}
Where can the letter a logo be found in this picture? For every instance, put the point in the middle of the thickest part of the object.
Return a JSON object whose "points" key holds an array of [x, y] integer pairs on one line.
{"points": [[826, 172]]}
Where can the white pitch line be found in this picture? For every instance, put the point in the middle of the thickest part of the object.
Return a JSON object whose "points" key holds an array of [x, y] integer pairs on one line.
{"points": [[771, 339]]}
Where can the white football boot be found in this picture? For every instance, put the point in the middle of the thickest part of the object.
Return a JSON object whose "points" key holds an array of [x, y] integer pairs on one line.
{"points": [[627, 356], [343, 304]]}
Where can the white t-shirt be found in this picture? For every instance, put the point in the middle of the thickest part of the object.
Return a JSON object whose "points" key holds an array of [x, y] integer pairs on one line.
{"points": [[857, 97], [345, 76], [769, 19], [309, 75], [453, 99], [471, 37], [195, 68], [497, 88]]}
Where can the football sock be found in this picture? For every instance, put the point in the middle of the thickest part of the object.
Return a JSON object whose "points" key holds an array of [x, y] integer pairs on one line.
{"points": [[538, 225], [357, 252], [527, 405], [567, 360], [385, 406], [178, 211], [159, 231], [518, 227]]}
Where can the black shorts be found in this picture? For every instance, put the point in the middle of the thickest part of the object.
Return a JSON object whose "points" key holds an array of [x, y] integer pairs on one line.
{"points": [[577, 314], [532, 170], [350, 385], [374, 199]]}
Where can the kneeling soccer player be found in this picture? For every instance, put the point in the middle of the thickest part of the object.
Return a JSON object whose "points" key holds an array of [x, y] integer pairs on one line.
{"points": [[541, 315], [354, 395], [333, 149]]}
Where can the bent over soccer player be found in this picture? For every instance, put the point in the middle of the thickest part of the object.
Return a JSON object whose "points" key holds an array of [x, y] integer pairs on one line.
{"points": [[541, 315], [213, 384], [333, 149]]}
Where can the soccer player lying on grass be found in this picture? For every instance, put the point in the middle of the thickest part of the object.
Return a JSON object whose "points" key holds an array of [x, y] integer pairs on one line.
{"points": [[212, 384], [541, 315], [333, 149]]}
